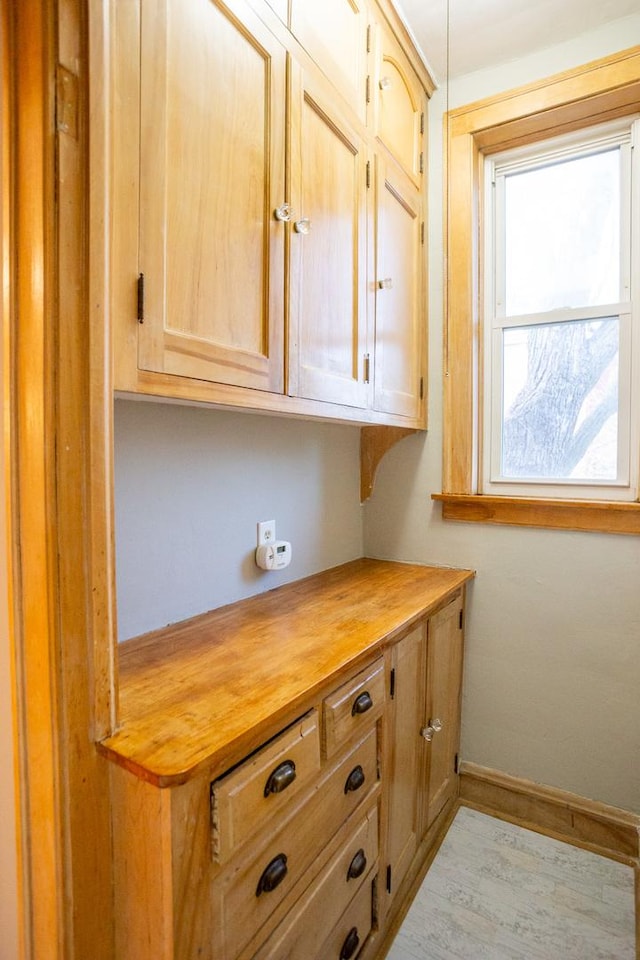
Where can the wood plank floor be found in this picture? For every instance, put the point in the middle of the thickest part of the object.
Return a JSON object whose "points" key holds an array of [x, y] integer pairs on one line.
{"points": [[496, 891]]}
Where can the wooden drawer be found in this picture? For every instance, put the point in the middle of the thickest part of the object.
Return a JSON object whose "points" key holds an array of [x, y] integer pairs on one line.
{"points": [[264, 785], [353, 707], [253, 887], [351, 931], [328, 898]]}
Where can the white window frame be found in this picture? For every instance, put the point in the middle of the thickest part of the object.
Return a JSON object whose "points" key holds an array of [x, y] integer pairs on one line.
{"points": [[626, 133]]}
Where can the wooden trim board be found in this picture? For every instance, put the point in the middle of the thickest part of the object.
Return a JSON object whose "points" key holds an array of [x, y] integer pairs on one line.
{"points": [[595, 826]]}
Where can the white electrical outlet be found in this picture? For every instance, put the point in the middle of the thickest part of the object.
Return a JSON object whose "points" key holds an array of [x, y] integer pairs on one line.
{"points": [[266, 532]]}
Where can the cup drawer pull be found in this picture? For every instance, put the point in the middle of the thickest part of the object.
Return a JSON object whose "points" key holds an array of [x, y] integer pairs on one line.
{"points": [[350, 945], [357, 866], [362, 703], [354, 780], [280, 778], [272, 875]]}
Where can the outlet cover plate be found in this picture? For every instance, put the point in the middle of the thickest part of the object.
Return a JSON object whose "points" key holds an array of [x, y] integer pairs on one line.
{"points": [[266, 532]]}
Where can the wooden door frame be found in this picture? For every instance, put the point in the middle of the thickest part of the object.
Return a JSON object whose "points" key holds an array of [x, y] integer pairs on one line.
{"points": [[10, 902], [64, 860]]}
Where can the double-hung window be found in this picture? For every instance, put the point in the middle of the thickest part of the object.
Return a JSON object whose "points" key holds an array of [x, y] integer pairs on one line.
{"points": [[561, 345], [541, 341]]}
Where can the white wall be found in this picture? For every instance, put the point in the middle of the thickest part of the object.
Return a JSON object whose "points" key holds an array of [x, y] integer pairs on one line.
{"points": [[191, 485], [552, 666]]}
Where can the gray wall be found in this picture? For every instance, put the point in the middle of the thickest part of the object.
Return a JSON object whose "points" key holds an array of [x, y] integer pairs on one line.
{"points": [[190, 486]]}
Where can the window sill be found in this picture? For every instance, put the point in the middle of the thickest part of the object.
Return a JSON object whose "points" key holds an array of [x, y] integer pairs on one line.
{"points": [[600, 516]]}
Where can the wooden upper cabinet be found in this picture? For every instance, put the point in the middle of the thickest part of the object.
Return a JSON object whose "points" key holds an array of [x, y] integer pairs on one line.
{"points": [[399, 105], [400, 324], [261, 206], [211, 175], [334, 34], [281, 8], [327, 335]]}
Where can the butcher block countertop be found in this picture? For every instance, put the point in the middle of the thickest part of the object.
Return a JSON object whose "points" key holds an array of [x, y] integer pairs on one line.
{"points": [[201, 694]]}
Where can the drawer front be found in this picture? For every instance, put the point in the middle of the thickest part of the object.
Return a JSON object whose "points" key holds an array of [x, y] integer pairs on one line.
{"points": [[328, 897], [353, 707], [251, 892], [351, 931], [260, 788]]}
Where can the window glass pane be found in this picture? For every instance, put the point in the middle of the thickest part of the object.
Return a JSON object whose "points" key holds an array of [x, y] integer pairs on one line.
{"points": [[562, 239], [560, 400]]}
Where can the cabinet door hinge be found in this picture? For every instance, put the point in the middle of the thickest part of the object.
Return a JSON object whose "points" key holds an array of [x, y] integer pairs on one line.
{"points": [[456, 763], [421, 162], [368, 173], [422, 122], [367, 367], [140, 298], [389, 879], [422, 233], [368, 89], [67, 102], [422, 388], [460, 620], [369, 38], [392, 683]]}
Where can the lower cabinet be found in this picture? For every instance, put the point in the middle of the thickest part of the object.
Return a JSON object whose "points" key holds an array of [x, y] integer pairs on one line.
{"points": [[423, 737], [307, 847], [405, 756], [441, 731]]}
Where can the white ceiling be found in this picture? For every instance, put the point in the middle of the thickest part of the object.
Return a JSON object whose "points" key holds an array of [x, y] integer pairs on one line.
{"points": [[486, 32]]}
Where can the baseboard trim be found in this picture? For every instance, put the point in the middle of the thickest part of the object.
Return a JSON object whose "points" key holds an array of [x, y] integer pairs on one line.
{"points": [[566, 816]]}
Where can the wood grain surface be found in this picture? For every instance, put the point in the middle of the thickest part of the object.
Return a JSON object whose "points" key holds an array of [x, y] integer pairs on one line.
{"points": [[206, 691]]}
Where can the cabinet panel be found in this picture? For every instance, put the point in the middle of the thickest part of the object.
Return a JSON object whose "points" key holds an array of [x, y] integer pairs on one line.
{"points": [[212, 172], [444, 670], [399, 325], [280, 7], [399, 117], [406, 750], [334, 35], [328, 263]]}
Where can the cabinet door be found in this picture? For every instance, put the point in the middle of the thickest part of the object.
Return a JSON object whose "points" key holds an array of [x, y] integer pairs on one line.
{"points": [[280, 7], [212, 174], [334, 34], [399, 106], [406, 748], [444, 673], [400, 334], [327, 344]]}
